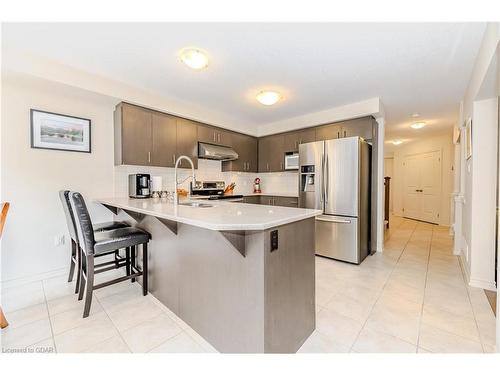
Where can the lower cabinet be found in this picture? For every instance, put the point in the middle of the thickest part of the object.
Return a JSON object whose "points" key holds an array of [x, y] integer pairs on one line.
{"points": [[272, 200]]}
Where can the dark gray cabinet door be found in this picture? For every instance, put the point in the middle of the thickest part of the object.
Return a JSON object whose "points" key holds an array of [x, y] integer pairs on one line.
{"points": [[213, 135], [330, 131], [246, 148], [135, 135], [187, 141], [252, 199], [294, 139], [272, 153], [361, 127], [164, 140], [287, 201]]}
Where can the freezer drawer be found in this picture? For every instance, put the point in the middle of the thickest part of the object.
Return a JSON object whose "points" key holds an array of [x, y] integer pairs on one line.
{"points": [[337, 237]]}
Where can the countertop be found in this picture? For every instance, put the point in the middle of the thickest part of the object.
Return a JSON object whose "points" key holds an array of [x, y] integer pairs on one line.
{"points": [[221, 216]]}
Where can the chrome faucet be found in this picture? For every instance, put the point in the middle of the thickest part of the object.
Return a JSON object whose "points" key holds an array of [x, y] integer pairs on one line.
{"points": [[176, 196]]}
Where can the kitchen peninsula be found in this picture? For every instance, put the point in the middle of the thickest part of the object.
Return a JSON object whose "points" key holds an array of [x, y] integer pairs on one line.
{"points": [[241, 275]]}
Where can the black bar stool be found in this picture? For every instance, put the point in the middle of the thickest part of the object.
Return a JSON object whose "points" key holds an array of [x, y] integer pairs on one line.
{"points": [[75, 246], [107, 243]]}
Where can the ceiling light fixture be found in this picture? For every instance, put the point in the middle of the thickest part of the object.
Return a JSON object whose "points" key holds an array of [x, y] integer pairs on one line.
{"points": [[418, 125], [415, 115], [397, 142], [194, 58], [268, 97]]}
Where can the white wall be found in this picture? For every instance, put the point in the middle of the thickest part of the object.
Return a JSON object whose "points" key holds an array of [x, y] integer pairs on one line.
{"points": [[472, 185], [443, 143], [31, 178]]}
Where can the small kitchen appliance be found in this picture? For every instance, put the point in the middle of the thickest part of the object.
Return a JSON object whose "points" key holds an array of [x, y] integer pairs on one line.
{"points": [[291, 161], [256, 186], [139, 185]]}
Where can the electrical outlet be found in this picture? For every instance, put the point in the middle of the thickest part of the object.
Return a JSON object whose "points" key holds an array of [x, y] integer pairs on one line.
{"points": [[59, 240]]}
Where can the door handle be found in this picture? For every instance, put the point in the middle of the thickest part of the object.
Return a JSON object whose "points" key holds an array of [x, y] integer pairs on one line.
{"points": [[332, 220], [419, 190]]}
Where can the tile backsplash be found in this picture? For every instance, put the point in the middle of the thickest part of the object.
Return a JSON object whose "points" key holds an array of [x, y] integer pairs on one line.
{"points": [[210, 170]]}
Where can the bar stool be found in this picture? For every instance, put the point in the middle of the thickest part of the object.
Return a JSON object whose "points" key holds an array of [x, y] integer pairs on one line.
{"points": [[108, 243], [75, 246]]}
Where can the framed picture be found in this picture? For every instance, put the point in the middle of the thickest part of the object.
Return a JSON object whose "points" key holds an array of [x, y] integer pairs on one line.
{"points": [[468, 138], [54, 131]]}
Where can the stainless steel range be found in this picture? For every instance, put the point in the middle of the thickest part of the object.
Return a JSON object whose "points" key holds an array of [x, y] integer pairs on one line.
{"points": [[212, 190]]}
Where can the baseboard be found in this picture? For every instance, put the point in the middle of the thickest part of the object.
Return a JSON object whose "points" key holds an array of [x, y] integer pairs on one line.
{"points": [[483, 284], [32, 278]]}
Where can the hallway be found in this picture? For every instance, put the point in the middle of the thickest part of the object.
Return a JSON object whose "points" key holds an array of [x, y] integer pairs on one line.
{"points": [[411, 298]]}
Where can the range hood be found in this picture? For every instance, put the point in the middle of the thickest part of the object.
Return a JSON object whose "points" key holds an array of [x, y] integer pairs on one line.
{"points": [[214, 152]]}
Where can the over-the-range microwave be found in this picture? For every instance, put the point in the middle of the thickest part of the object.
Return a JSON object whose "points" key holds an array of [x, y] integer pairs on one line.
{"points": [[291, 161]]}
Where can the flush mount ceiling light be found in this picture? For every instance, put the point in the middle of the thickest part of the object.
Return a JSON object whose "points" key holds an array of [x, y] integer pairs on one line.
{"points": [[268, 97], [194, 58], [397, 142], [418, 125]]}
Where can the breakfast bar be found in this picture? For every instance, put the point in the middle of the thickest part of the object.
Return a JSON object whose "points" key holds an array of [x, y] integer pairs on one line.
{"points": [[241, 275]]}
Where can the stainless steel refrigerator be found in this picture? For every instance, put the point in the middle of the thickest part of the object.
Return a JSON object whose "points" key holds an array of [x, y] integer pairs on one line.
{"points": [[335, 178]]}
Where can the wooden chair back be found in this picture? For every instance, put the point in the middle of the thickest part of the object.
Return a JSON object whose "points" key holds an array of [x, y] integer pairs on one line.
{"points": [[3, 216]]}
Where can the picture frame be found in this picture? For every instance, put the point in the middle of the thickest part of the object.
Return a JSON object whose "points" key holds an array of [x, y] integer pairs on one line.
{"points": [[468, 138], [55, 131]]}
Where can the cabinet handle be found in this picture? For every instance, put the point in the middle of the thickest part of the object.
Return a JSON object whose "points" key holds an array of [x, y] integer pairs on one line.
{"points": [[218, 137], [214, 136], [267, 166], [149, 156], [338, 134], [173, 158], [281, 166], [345, 133]]}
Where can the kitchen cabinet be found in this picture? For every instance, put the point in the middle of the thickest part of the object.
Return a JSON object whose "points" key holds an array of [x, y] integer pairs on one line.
{"points": [[247, 149], [361, 127], [252, 199], [271, 153], [187, 141], [330, 131], [213, 135], [287, 201], [164, 139], [132, 135], [150, 138], [295, 138]]}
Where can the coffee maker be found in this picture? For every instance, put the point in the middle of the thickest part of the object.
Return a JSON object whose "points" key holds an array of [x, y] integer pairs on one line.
{"points": [[139, 185]]}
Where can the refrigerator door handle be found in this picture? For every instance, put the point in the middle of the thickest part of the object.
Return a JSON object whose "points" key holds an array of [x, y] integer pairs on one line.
{"points": [[327, 178], [332, 220]]}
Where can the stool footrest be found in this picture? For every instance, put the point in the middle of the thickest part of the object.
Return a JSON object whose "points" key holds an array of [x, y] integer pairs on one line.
{"points": [[115, 281]]}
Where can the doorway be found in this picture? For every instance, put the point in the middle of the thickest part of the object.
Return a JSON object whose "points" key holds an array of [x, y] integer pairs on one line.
{"points": [[422, 186]]}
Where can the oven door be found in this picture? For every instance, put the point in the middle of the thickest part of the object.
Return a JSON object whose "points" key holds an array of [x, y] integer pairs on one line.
{"points": [[292, 161]]}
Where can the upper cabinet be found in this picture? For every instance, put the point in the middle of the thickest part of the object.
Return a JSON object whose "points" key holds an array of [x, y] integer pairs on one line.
{"points": [[187, 141], [361, 127], [272, 153], [213, 135], [151, 138], [246, 147], [295, 138]]}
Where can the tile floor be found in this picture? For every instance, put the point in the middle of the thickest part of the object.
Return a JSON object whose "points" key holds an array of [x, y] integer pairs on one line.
{"points": [[411, 298]]}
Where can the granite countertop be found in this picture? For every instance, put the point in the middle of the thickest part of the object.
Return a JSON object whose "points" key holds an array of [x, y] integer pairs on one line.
{"points": [[222, 215]]}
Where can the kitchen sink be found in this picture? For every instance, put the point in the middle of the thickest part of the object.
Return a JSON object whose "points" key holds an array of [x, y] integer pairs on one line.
{"points": [[196, 204]]}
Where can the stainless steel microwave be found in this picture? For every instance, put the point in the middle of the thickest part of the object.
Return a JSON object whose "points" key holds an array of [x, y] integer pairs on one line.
{"points": [[291, 161]]}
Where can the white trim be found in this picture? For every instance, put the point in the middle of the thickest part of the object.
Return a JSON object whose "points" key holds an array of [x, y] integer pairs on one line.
{"points": [[32, 278], [483, 284]]}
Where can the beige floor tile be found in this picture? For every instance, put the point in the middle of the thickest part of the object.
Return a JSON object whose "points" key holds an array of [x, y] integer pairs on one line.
{"points": [[438, 341], [338, 328], [86, 335], [397, 317], [58, 287], [25, 335], [133, 312], [353, 308], [20, 297], [370, 341], [73, 318], [453, 303], [27, 315], [150, 334], [207, 347], [319, 343], [65, 303], [181, 343], [43, 347], [460, 325], [423, 351], [113, 345]]}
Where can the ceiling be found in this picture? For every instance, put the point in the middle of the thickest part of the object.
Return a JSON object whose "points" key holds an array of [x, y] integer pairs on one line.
{"points": [[419, 68]]}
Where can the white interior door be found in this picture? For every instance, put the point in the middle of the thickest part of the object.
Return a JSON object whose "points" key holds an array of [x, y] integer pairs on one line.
{"points": [[422, 176]]}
